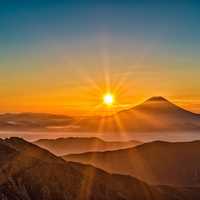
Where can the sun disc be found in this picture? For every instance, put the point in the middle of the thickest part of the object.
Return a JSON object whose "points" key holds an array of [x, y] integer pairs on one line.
{"points": [[108, 99]]}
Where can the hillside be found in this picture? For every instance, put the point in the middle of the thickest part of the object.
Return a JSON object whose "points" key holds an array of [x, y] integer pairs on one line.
{"points": [[155, 162], [29, 173]]}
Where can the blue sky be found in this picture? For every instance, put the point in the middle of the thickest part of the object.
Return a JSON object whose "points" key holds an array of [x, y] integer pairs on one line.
{"points": [[34, 20]]}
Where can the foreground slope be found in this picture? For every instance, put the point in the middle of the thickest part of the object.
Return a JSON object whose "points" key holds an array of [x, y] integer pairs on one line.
{"points": [[62, 146], [155, 162], [28, 172]]}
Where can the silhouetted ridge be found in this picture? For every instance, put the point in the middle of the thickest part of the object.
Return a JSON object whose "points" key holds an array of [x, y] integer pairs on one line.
{"points": [[28, 149]]}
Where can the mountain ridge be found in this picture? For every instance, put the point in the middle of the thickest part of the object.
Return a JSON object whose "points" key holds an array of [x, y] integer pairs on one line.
{"points": [[156, 162], [61, 146], [23, 177]]}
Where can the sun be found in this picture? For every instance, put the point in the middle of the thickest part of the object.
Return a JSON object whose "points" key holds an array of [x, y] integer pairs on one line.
{"points": [[108, 99]]}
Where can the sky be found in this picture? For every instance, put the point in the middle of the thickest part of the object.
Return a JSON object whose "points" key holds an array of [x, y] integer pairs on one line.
{"points": [[62, 56]]}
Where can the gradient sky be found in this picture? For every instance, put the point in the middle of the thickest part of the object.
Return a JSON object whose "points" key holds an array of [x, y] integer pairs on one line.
{"points": [[60, 56]]}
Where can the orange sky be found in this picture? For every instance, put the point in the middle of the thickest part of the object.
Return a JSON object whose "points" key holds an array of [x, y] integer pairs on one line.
{"points": [[84, 95]]}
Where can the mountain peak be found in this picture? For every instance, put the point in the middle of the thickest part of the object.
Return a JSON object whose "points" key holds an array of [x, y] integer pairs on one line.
{"points": [[156, 99]]}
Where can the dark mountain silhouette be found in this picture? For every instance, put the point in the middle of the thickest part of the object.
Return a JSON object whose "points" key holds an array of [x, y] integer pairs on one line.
{"points": [[63, 146], [155, 114], [28, 172], [155, 162]]}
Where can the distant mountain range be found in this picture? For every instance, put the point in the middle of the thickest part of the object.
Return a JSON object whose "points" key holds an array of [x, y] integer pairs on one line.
{"points": [[155, 162], [28, 172], [155, 114], [33, 121], [61, 146]]}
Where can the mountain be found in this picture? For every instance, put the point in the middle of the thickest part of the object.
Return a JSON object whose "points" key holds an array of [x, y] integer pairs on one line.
{"points": [[62, 146], [33, 121], [156, 114], [28, 172], [155, 162], [153, 115]]}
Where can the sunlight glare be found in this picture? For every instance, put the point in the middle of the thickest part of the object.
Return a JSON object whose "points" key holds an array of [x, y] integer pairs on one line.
{"points": [[108, 99]]}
